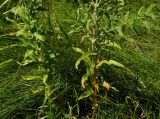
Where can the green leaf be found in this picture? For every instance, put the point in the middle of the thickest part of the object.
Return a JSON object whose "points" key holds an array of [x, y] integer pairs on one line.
{"points": [[38, 37], [52, 55], [38, 90], [141, 11], [2, 64], [112, 44], [121, 2], [17, 9], [113, 62], [150, 8], [45, 117], [106, 85], [102, 62], [26, 62], [119, 30], [30, 77], [28, 53], [83, 57], [78, 50], [7, 47], [86, 94], [90, 71], [4, 3], [110, 62], [84, 80], [22, 32], [45, 77]]}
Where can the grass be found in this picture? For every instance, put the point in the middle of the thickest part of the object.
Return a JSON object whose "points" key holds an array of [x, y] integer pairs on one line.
{"points": [[136, 96]]}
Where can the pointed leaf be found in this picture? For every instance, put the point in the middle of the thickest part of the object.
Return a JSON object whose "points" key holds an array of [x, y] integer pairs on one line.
{"points": [[110, 62], [78, 50], [86, 94], [112, 44], [84, 80], [101, 62], [4, 3], [7, 47], [116, 63], [45, 77], [30, 77], [26, 62], [2, 64], [83, 57]]}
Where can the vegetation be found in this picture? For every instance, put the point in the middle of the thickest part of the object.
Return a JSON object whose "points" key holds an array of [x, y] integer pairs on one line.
{"points": [[79, 59]]}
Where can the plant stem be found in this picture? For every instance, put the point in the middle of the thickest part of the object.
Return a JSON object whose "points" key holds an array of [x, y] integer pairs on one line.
{"points": [[95, 100]]}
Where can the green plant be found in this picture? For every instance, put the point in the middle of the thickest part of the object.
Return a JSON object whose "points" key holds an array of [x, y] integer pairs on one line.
{"points": [[103, 25], [37, 64], [96, 42], [31, 35]]}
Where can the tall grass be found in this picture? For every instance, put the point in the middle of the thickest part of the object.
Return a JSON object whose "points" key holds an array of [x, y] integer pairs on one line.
{"points": [[38, 78]]}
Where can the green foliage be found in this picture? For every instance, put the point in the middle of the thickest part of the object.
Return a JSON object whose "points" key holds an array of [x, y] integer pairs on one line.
{"points": [[79, 59]]}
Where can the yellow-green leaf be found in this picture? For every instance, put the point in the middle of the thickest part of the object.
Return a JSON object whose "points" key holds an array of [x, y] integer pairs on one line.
{"points": [[84, 56], [38, 37], [7, 47], [113, 62], [38, 90], [106, 85], [25, 62], [97, 87], [113, 44], [119, 30], [84, 80], [45, 77], [86, 94], [28, 53], [110, 62], [78, 50], [30, 77], [101, 62]]}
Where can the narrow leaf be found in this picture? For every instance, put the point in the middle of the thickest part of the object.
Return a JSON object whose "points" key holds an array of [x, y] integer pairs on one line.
{"points": [[112, 44], [2, 64], [110, 62], [26, 62], [45, 77], [83, 57], [78, 50], [116, 63], [30, 77], [86, 94], [84, 80], [101, 62], [9, 46], [4, 3]]}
